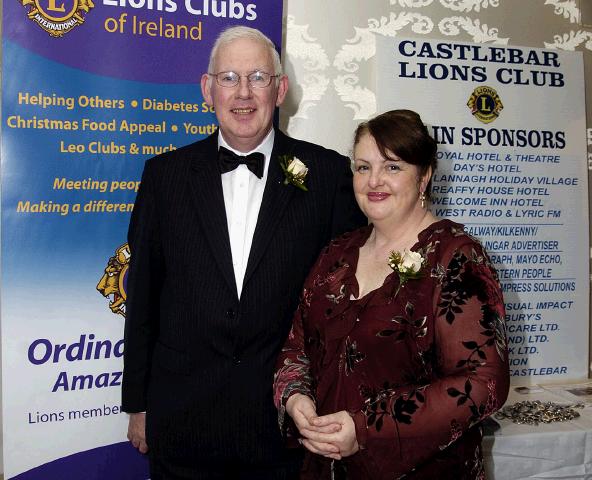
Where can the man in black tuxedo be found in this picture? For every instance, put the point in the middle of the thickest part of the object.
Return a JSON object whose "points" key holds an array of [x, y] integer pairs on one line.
{"points": [[221, 242]]}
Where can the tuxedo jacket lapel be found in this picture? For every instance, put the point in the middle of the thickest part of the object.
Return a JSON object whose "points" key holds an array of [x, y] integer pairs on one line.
{"points": [[276, 198], [206, 185]]}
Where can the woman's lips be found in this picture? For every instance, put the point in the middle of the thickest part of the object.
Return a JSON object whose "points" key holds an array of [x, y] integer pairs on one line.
{"points": [[377, 196]]}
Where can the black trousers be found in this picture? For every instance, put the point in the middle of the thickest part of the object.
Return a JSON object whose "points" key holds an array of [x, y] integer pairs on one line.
{"points": [[230, 471]]}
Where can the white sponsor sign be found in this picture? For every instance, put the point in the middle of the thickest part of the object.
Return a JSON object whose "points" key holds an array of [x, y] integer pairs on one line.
{"points": [[510, 124]]}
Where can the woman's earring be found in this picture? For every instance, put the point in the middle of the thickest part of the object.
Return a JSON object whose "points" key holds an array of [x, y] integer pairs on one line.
{"points": [[422, 197]]}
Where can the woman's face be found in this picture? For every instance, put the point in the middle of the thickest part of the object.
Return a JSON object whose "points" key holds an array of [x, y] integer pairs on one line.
{"points": [[385, 188]]}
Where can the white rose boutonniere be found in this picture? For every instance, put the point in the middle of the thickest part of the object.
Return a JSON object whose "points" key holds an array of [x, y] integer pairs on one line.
{"points": [[407, 264], [294, 170]]}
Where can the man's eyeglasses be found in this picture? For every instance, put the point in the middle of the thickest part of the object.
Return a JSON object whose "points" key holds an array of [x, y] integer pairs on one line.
{"points": [[256, 79]]}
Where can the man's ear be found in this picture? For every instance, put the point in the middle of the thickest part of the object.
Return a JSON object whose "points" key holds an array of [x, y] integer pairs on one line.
{"points": [[206, 89], [282, 90]]}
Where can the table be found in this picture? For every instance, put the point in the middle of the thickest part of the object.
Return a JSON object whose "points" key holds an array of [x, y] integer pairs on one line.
{"points": [[560, 450]]}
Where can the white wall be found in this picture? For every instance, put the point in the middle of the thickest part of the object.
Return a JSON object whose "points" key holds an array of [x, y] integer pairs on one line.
{"points": [[329, 52]]}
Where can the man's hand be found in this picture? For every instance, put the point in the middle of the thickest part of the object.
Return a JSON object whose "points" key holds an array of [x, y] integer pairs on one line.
{"points": [[136, 431]]}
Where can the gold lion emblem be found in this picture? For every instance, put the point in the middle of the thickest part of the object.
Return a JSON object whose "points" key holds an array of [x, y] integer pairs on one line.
{"points": [[485, 104], [57, 17], [113, 281]]}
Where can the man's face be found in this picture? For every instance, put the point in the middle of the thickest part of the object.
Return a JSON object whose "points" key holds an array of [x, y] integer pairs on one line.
{"points": [[245, 114]]}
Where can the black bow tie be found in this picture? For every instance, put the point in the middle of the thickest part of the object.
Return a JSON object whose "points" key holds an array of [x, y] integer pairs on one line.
{"points": [[229, 160]]}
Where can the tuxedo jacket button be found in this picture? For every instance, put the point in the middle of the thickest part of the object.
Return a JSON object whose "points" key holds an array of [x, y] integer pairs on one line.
{"points": [[230, 313], [236, 359]]}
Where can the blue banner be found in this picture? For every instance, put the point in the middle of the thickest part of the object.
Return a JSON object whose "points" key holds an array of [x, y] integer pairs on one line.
{"points": [[90, 91]]}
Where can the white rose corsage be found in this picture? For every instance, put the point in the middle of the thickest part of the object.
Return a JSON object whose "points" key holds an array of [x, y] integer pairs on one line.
{"points": [[407, 264], [294, 170]]}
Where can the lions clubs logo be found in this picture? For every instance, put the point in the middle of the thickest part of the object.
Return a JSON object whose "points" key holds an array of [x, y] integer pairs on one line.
{"points": [[485, 104], [114, 280], [57, 17]]}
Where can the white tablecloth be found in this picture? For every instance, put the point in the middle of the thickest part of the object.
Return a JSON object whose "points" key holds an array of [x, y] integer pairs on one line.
{"points": [[560, 450]]}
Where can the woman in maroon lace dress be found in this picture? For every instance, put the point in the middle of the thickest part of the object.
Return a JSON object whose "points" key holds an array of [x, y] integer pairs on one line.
{"points": [[398, 347]]}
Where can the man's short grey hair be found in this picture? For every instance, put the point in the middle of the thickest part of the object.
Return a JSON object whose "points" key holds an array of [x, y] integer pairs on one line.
{"points": [[235, 33]]}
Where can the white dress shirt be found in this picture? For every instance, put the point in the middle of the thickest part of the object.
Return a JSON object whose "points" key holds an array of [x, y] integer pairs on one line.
{"points": [[243, 193]]}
